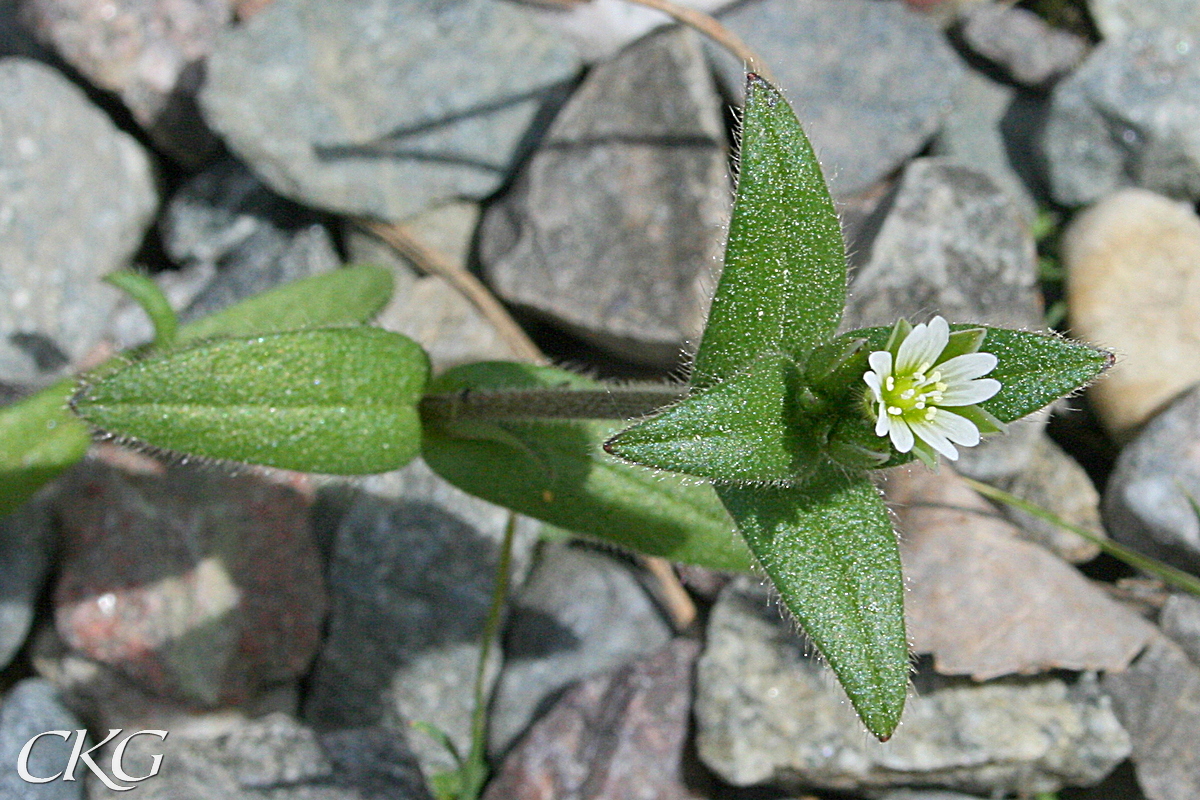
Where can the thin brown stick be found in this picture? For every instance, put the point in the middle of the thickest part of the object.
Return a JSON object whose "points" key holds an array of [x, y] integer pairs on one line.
{"points": [[432, 262], [672, 595], [713, 30]]}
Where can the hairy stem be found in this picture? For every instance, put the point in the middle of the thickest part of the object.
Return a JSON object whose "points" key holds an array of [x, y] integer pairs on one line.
{"points": [[616, 402]]}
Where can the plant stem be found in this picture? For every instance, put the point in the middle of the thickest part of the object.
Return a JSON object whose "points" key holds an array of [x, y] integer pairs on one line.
{"points": [[616, 402], [1169, 574]]}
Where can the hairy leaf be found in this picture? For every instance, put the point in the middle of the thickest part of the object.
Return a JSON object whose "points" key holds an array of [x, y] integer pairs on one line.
{"points": [[830, 551], [326, 400], [556, 471], [39, 438], [784, 281]]}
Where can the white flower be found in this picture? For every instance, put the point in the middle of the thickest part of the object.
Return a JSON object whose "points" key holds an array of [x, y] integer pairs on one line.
{"points": [[916, 392]]}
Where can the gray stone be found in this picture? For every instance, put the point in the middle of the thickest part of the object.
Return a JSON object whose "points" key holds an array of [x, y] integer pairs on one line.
{"points": [[953, 243], [925, 794], [233, 758], [580, 613], [1146, 503], [25, 545], [767, 712], [15, 38], [1056, 482], [410, 580], [614, 227], [32, 707], [76, 196], [1129, 116], [870, 81], [972, 134], [615, 735], [148, 52], [1180, 620], [226, 221], [1157, 700], [1117, 18], [383, 108], [1027, 48]]}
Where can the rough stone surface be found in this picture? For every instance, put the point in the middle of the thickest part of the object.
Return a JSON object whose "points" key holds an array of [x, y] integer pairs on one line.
{"points": [[1056, 482], [149, 52], [26, 540], [1027, 48], [870, 81], [199, 585], [615, 226], [1128, 116], [973, 134], [411, 580], [986, 604], [1133, 285], [579, 614], [233, 758], [616, 735], [599, 29], [76, 196], [1180, 620], [1116, 18], [1158, 702], [32, 707], [383, 108], [1146, 502], [767, 712], [225, 221]]}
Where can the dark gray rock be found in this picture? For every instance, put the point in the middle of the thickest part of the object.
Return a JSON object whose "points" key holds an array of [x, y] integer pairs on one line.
{"points": [[1027, 48], [1156, 700], [870, 81], [1180, 620], [768, 713], [616, 735], [148, 52], [15, 38], [32, 707], [1146, 502], [232, 758], [973, 134], [411, 579], [76, 196], [25, 544], [953, 243], [383, 107], [1117, 18], [617, 222], [225, 221], [1128, 117], [579, 614]]}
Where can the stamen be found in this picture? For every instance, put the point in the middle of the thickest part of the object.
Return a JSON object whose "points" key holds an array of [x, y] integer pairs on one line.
{"points": [[890, 383], [930, 414], [894, 411], [907, 394], [941, 387], [920, 404]]}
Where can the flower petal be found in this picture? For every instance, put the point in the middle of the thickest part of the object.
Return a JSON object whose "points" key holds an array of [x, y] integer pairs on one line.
{"points": [[902, 437], [959, 430], [967, 367], [969, 393], [882, 423], [933, 437], [922, 346], [872, 380], [881, 362]]}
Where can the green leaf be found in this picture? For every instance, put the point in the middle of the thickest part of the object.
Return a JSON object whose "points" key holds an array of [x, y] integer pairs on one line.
{"points": [[1034, 369], [335, 400], [39, 438], [830, 550], [556, 471], [746, 429], [348, 296], [153, 302], [784, 281]]}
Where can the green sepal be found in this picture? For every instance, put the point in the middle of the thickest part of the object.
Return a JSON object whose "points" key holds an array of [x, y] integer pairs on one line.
{"points": [[146, 293], [962, 342], [340, 400], [783, 285], [39, 438], [751, 428], [557, 471], [829, 548]]}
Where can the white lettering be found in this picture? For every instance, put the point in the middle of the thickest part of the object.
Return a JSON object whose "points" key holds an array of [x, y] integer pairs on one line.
{"points": [[79, 754], [119, 753], [23, 758]]}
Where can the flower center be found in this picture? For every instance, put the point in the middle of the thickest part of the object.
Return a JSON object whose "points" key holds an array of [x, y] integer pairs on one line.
{"points": [[914, 396]]}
